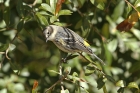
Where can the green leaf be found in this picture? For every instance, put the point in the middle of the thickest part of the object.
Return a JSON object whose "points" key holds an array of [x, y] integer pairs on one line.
{"points": [[100, 82], [14, 67], [53, 19], [53, 5], [110, 78], [112, 45], [133, 85], [137, 3], [6, 15], [3, 47], [136, 32], [120, 83], [42, 20], [46, 7], [64, 12], [67, 70], [20, 8], [20, 25], [11, 47], [89, 72], [121, 90], [92, 1], [101, 6]]}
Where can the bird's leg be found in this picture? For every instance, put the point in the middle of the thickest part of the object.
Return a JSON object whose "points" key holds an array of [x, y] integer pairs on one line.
{"points": [[65, 59]]}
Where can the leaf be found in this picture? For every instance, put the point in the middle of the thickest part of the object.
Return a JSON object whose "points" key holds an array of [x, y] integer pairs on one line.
{"points": [[128, 23], [89, 72], [121, 90], [53, 4], [42, 20], [67, 70], [100, 82], [92, 1], [4, 47], [20, 25], [133, 85], [110, 78], [6, 15], [101, 6], [11, 47], [65, 12], [112, 45], [15, 67], [53, 19], [120, 83], [20, 8], [46, 7], [58, 6]]}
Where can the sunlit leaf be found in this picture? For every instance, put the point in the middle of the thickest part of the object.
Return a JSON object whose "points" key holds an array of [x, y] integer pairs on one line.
{"points": [[128, 23], [12, 47], [120, 83], [133, 85], [67, 70], [101, 5], [65, 12], [53, 19], [89, 72], [92, 1], [42, 20], [46, 7]]}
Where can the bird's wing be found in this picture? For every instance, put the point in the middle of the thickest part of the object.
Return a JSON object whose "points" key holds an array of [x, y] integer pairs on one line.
{"points": [[74, 41]]}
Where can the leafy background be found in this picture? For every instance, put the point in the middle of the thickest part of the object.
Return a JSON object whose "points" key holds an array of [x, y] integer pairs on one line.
{"points": [[29, 64]]}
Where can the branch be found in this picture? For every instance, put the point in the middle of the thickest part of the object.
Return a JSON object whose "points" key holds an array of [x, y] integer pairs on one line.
{"points": [[93, 64]]}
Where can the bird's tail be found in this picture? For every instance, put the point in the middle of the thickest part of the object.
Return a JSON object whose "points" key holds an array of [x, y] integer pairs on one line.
{"points": [[97, 58]]}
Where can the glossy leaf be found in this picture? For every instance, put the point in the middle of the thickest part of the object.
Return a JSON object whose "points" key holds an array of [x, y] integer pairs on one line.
{"points": [[53, 19], [65, 12], [110, 78], [120, 83], [133, 85], [100, 82], [121, 90], [42, 20], [3, 47], [46, 7]]}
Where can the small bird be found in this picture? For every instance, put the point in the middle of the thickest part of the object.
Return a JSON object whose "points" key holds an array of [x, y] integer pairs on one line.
{"points": [[67, 40]]}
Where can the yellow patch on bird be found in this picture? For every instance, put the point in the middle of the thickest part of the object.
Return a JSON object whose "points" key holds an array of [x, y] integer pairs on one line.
{"points": [[62, 42], [86, 44]]}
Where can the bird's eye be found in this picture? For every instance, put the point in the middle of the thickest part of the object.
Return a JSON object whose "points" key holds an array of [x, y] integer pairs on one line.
{"points": [[48, 32]]}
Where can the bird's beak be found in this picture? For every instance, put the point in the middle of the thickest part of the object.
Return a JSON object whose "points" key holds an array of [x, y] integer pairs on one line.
{"points": [[46, 39]]}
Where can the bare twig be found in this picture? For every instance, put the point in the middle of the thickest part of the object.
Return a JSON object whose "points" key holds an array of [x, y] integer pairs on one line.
{"points": [[131, 5], [59, 81]]}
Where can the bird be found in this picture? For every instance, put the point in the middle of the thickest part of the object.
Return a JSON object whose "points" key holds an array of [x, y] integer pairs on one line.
{"points": [[67, 40]]}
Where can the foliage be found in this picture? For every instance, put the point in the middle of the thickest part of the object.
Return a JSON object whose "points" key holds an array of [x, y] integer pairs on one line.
{"points": [[29, 64]]}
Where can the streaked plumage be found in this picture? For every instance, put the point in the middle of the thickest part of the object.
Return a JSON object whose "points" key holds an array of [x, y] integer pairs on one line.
{"points": [[67, 40]]}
